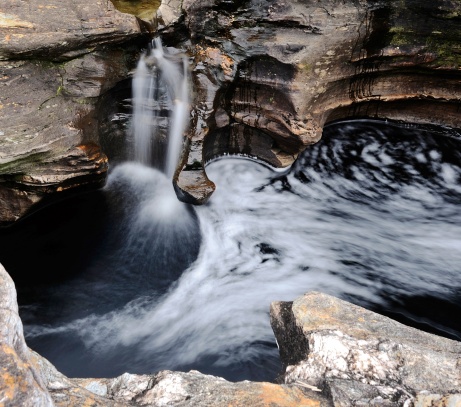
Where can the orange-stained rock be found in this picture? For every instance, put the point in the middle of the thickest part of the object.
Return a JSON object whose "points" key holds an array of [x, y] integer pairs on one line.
{"points": [[20, 382], [168, 388], [55, 64]]}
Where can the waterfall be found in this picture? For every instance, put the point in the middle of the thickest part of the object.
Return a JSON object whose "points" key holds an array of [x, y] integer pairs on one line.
{"points": [[160, 101], [182, 288]]}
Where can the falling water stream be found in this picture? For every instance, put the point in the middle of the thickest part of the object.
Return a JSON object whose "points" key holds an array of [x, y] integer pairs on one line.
{"points": [[137, 281]]}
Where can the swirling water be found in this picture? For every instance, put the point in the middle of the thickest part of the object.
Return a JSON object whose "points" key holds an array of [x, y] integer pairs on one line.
{"points": [[371, 214]]}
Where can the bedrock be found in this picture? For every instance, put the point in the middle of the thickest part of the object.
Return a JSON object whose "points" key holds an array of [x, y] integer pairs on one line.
{"points": [[335, 354], [267, 76]]}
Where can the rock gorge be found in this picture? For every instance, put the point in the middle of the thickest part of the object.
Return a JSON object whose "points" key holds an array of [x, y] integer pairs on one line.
{"points": [[335, 354], [267, 76]]}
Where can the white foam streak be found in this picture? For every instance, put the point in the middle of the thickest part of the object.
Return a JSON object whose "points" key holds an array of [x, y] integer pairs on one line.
{"points": [[144, 125], [262, 245], [179, 123], [160, 82]]}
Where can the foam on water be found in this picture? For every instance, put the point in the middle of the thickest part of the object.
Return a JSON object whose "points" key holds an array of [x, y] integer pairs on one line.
{"points": [[361, 216], [160, 83]]}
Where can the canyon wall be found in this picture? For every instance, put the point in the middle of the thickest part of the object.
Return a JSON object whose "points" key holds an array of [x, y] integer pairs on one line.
{"points": [[266, 78]]}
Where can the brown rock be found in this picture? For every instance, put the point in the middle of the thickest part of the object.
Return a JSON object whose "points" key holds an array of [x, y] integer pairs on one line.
{"points": [[268, 76], [144, 9], [48, 121], [60, 29]]}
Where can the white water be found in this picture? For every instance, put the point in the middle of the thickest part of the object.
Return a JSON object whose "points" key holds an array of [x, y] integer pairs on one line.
{"points": [[369, 217], [160, 83]]}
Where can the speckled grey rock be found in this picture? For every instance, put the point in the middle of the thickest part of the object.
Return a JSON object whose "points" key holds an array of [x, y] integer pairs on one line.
{"points": [[361, 357]]}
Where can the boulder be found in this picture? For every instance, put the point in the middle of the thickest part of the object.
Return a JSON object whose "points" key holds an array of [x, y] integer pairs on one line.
{"points": [[21, 383], [168, 388], [359, 357]]}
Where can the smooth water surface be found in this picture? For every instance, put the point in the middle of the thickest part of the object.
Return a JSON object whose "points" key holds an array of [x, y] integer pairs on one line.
{"points": [[371, 214]]}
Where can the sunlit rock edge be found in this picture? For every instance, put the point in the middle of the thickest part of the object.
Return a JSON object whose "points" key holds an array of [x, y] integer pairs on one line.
{"points": [[335, 354]]}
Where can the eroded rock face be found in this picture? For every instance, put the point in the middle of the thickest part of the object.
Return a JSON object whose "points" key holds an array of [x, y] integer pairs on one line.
{"points": [[54, 65], [362, 358], [269, 75], [266, 75]]}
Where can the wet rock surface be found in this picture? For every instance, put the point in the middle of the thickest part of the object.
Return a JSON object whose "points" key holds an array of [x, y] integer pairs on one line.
{"points": [[266, 76], [55, 63]]}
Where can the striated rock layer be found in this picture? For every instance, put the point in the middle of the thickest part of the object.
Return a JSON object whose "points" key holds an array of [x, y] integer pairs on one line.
{"points": [[266, 75], [269, 75], [55, 62]]}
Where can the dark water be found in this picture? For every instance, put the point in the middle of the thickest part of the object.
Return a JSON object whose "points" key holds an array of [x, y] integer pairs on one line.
{"points": [[128, 279]]}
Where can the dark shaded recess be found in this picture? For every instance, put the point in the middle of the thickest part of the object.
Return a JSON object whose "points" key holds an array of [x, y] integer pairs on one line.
{"points": [[55, 242], [439, 112], [239, 139], [204, 25], [260, 89], [114, 113], [422, 22], [377, 35], [292, 343], [440, 316], [435, 8], [266, 68], [174, 34], [229, 6]]}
